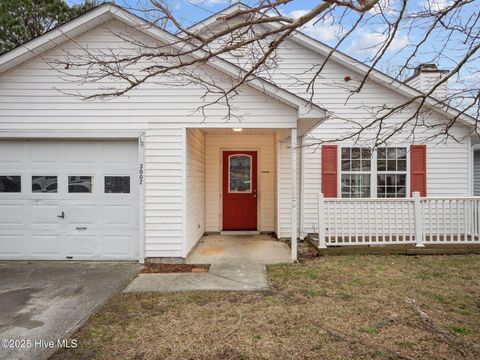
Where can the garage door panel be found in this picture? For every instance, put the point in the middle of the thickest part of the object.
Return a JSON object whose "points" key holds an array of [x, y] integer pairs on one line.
{"points": [[44, 245], [116, 153], [11, 153], [81, 246], [46, 153], [11, 214], [83, 154], [45, 216], [82, 214], [102, 224], [118, 214], [12, 245], [120, 245]]}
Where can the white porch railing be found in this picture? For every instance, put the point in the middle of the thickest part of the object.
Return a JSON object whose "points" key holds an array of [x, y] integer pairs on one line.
{"points": [[413, 220]]}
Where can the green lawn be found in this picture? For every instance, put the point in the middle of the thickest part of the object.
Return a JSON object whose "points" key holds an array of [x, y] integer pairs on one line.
{"points": [[342, 307]]}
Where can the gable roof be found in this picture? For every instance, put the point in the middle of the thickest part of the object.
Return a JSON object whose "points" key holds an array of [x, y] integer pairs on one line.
{"points": [[102, 13], [350, 63]]}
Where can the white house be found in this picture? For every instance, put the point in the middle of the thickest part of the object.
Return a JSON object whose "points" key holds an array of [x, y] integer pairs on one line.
{"points": [[143, 176]]}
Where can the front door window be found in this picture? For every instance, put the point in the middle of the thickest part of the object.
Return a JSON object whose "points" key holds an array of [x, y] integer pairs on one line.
{"points": [[240, 174]]}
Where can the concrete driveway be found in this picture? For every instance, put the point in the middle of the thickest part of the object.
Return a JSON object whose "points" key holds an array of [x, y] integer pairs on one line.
{"points": [[42, 302]]}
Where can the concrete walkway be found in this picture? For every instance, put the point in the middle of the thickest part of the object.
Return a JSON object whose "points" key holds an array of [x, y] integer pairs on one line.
{"points": [[259, 249], [222, 276]]}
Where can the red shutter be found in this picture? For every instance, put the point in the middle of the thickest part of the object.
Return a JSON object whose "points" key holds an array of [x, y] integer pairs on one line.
{"points": [[329, 170], [418, 169]]}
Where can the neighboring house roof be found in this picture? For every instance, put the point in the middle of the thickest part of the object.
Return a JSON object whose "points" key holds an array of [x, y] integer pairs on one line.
{"points": [[106, 12], [349, 62]]}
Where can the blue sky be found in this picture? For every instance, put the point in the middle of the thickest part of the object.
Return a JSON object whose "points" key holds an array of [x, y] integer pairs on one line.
{"points": [[362, 44]]}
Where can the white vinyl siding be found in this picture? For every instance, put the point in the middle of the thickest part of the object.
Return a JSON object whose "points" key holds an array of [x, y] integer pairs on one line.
{"points": [[285, 186], [195, 209], [447, 163], [35, 97]]}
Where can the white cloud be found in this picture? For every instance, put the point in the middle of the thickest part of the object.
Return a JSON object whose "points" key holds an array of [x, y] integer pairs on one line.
{"points": [[436, 5], [321, 30], [386, 7], [368, 43], [209, 2]]}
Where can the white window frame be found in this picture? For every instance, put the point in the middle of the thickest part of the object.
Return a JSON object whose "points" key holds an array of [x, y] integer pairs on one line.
{"points": [[373, 170], [349, 172], [84, 193], [116, 194]]}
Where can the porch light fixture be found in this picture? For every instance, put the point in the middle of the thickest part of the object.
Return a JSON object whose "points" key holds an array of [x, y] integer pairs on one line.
{"points": [[237, 129]]}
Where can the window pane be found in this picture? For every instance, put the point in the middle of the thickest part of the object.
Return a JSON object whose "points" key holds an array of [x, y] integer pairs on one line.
{"points": [[365, 165], [381, 153], [345, 165], [10, 184], [402, 165], [355, 165], [240, 173], [355, 185], [391, 185], [117, 184], [391, 153], [355, 153], [79, 184], [402, 153], [366, 153], [346, 153], [381, 165], [44, 184], [391, 165]]}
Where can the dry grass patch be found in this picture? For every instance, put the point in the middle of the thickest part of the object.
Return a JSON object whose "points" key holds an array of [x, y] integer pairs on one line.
{"points": [[350, 307]]}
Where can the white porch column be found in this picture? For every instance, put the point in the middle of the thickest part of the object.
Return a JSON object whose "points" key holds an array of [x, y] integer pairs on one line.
{"points": [[293, 135]]}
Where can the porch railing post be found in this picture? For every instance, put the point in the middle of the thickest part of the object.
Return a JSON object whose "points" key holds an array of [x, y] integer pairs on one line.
{"points": [[293, 134], [417, 218], [321, 221]]}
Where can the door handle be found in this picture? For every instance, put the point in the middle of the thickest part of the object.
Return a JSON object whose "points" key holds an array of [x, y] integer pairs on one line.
{"points": [[62, 215], [81, 228]]}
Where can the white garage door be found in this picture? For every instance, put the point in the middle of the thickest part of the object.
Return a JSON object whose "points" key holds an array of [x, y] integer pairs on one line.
{"points": [[64, 200]]}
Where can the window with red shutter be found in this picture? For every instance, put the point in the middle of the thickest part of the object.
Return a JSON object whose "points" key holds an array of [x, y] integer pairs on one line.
{"points": [[418, 169], [329, 170]]}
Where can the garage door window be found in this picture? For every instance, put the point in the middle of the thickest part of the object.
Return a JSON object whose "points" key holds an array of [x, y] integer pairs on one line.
{"points": [[44, 184], [10, 184], [80, 184], [117, 184]]}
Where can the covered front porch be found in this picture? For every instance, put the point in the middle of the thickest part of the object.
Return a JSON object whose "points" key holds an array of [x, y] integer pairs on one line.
{"points": [[248, 248], [241, 187]]}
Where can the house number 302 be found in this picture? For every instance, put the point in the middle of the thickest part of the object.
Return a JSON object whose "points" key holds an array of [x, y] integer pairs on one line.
{"points": [[140, 174]]}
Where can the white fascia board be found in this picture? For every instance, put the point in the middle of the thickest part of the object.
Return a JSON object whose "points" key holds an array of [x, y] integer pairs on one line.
{"points": [[214, 18]]}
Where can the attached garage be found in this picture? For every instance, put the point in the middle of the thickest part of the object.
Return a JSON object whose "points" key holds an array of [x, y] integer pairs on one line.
{"points": [[69, 199]]}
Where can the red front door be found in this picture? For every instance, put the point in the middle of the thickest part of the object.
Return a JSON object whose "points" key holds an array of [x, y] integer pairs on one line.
{"points": [[239, 190]]}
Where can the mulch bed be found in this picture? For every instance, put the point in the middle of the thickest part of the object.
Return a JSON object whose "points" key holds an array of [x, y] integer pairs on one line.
{"points": [[174, 268]]}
